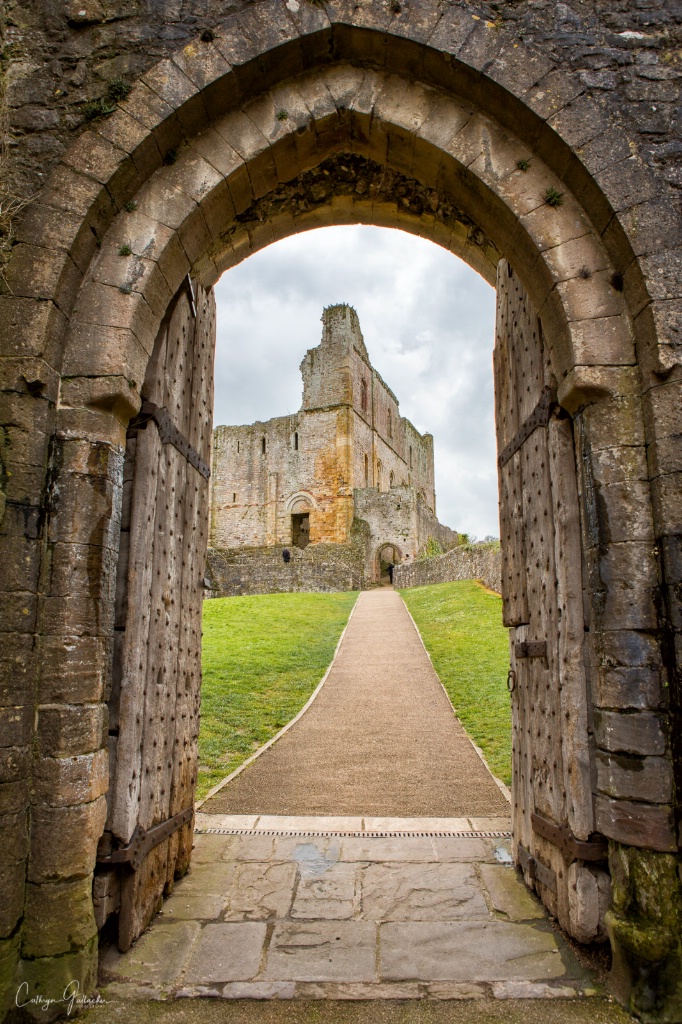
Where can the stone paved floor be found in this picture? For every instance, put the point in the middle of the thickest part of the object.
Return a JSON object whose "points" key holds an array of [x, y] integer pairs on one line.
{"points": [[341, 916]]}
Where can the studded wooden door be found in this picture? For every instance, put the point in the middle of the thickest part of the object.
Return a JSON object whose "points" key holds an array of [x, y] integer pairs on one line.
{"points": [[154, 707], [542, 592]]}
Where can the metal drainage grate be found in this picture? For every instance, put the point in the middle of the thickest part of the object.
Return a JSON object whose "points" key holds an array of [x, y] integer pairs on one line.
{"points": [[306, 833]]}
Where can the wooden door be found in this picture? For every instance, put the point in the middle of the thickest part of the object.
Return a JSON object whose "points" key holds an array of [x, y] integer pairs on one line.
{"points": [[542, 593], [154, 707]]}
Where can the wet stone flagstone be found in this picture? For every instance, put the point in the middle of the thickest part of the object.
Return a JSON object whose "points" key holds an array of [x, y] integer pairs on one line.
{"points": [[351, 917]]}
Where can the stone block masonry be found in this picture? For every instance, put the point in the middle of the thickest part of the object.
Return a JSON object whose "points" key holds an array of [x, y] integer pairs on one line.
{"points": [[468, 562], [318, 568]]}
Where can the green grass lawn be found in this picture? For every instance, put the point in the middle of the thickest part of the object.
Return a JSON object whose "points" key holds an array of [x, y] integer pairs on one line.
{"points": [[461, 625], [262, 657]]}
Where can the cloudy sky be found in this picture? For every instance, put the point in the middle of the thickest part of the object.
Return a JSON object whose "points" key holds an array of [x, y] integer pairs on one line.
{"points": [[428, 323]]}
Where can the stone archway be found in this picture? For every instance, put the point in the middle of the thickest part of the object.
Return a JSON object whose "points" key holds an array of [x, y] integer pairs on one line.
{"points": [[300, 507], [386, 554], [281, 120]]}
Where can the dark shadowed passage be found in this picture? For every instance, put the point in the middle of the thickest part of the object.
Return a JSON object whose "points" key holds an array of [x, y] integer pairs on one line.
{"points": [[381, 737]]}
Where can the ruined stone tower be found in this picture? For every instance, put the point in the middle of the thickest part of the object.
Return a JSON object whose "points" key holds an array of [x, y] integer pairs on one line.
{"points": [[346, 466]]}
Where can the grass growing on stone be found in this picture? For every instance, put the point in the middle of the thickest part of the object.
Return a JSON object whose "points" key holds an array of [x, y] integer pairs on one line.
{"points": [[262, 657], [461, 625]]}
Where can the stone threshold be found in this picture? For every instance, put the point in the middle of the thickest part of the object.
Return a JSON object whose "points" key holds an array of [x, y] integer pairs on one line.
{"points": [[352, 826], [360, 991]]}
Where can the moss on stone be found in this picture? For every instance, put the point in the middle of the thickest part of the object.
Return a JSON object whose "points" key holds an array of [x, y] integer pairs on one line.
{"points": [[644, 926], [57, 979], [645, 901], [9, 956]]}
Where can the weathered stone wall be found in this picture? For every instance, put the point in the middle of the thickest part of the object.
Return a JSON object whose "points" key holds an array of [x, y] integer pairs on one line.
{"points": [[339, 372], [258, 470], [428, 528], [468, 562], [317, 568], [400, 518], [62, 58]]}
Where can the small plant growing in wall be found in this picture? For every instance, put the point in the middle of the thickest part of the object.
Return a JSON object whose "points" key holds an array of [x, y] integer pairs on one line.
{"points": [[523, 165], [554, 198], [170, 157], [125, 250], [208, 35], [117, 90], [130, 206], [282, 115], [431, 550]]}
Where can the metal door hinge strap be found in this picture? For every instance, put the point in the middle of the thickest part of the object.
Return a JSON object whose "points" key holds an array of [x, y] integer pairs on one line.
{"points": [[531, 649], [536, 870], [169, 434], [143, 841], [538, 418], [594, 849]]}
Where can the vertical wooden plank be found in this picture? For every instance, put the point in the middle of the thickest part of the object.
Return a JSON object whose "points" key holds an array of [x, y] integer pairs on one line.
{"points": [[196, 535], [133, 663], [512, 536], [143, 891], [539, 527], [572, 675]]}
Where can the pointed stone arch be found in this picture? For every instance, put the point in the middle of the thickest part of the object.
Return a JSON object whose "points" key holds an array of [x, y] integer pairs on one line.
{"points": [[433, 121]]}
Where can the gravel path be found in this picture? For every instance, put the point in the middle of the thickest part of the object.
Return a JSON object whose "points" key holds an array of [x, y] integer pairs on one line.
{"points": [[380, 738]]}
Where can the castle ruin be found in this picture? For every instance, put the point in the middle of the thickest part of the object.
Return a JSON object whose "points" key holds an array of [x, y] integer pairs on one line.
{"points": [[345, 484]]}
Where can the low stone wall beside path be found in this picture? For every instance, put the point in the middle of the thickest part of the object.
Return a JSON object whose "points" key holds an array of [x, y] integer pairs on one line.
{"points": [[469, 562]]}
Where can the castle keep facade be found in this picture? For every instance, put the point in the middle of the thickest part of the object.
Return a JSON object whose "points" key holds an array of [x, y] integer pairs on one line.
{"points": [[342, 483]]}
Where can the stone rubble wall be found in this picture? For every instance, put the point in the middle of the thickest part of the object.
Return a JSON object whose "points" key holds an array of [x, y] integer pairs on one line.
{"points": [[319, 568], [477, 562]]}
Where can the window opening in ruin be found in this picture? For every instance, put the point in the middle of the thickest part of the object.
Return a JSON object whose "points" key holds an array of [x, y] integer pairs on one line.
{"points": [[378, 474], [238, 448], [300, 529], [410, 456], [262, 446], [390, 424], [391, 480], [234, 498], [296, 441], [366, 471], [363, 395]]}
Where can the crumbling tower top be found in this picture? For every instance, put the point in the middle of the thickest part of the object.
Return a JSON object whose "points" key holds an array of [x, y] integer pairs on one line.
{"points": [[340, 323]]}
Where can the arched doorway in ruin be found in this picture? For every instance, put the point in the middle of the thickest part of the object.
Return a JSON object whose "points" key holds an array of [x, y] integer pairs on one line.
{"points": [[280, 121], [387, 556], [300, 508]]}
